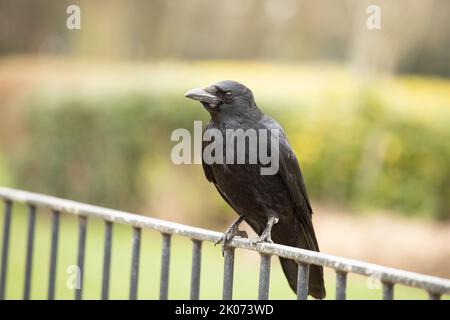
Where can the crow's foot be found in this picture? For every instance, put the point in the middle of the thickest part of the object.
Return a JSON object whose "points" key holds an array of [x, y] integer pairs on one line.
{"points": [[266, 235], [229, 234]]}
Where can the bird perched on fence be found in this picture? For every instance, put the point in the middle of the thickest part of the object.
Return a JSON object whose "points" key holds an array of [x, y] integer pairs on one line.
{"points": [[276, 206]]}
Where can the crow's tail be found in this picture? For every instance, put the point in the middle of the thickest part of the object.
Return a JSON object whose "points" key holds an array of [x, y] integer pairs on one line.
{"points": [[316, 286]]}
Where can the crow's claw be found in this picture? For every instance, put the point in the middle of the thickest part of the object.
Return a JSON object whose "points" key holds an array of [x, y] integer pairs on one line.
{"points": [[266, 234], [264, 237], [228, 235]]}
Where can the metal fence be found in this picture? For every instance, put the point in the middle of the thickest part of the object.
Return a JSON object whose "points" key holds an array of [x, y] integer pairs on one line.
{"points": [[389, 277]]}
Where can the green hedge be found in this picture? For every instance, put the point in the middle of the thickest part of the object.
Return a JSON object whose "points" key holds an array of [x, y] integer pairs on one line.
{"points": [[355, 151]]}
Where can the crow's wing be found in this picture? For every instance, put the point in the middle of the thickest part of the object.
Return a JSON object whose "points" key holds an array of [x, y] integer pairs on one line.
{"points": [[291, 175]]}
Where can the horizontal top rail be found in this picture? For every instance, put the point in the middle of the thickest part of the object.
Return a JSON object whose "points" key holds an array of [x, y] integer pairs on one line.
{"points": [[387, 275]]}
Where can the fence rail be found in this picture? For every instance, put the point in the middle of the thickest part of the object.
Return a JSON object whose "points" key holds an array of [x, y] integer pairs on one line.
{"points": [[389, 277]]}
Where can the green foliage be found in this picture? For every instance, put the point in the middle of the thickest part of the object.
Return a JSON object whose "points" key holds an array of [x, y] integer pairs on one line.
{"points": [[357, 148], [94, 149]]}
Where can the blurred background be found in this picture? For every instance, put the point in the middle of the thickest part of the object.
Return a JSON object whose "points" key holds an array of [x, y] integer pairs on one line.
{"points": [[87, 115]]}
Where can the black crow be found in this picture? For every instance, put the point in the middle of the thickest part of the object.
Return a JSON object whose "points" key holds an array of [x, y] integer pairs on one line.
{"points": [[276, 206]]}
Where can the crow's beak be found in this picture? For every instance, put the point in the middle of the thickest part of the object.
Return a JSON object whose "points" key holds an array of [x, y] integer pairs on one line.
{"points": [[203, 95]]}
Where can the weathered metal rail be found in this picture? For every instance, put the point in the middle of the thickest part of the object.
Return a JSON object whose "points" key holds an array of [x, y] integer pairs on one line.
{"points": [[389, 277]]}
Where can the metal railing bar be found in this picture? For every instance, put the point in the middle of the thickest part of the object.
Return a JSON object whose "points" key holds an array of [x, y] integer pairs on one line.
{"points": [[81, 254], [412, 279], [264, 277], [388, 291], [165, 263], [228, 273], [341, 285], [5, 246], [53, 254], [135, 263], [302, 281], [107, 260], [196, 266], [29, 257]]}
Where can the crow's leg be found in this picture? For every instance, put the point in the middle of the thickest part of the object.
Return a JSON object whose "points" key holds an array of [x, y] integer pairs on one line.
{"points": [[231, 232], [266, 234]]}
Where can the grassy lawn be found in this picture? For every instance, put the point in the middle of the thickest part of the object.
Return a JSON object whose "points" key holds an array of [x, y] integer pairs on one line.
{"points": [[246, 265]]}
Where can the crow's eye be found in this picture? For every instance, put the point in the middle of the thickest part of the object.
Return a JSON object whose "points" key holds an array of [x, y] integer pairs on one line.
{"points": [[228, 94]]}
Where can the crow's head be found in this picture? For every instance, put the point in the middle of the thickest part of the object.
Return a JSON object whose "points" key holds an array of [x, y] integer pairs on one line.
{"points": [[226, 97]]}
